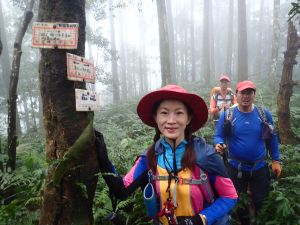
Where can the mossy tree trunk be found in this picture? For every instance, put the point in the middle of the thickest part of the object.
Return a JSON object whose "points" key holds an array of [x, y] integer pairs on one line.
{"points": [[71, 181], [286, 133]]}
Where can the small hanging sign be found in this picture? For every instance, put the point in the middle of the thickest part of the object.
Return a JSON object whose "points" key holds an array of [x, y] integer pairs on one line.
{"points": [[55, 35], [87, 100], [80, 69]]}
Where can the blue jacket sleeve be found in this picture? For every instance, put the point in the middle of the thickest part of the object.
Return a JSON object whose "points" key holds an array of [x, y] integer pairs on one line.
{"points": [[218, 209], [226, 200]]}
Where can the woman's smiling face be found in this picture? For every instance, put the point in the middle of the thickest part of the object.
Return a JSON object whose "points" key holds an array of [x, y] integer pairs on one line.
{"points": [[172, 118]]}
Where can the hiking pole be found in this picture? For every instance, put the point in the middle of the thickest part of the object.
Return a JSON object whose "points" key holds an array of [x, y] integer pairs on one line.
{"points": [[225, 155], [226, 131]]}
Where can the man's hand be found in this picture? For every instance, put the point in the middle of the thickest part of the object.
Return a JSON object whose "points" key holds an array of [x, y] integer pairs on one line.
{"points": [[276, 168], [220, 148]]}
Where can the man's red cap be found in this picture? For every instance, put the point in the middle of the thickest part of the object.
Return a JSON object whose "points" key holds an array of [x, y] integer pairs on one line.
{"points": [[246, 84]]}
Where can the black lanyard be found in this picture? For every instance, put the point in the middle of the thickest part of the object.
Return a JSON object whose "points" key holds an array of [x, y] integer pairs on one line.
{"points": [[174, 170]]}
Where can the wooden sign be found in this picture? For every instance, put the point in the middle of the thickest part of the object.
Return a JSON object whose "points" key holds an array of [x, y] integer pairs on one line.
{"points": [[55, 35], [87, 100], [80, 69]]}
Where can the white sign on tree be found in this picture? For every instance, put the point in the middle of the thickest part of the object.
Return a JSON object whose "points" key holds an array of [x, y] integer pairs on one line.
{"points": [[55, 35], [80, 69], [87, 100]]}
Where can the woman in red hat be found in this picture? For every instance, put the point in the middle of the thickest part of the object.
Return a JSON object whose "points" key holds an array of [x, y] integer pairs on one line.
{"points": [[184, 180]]}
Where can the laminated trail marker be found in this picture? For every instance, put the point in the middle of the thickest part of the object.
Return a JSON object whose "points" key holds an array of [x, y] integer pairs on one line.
{"points": [[87, 100], [55, 35], [80, 69]]}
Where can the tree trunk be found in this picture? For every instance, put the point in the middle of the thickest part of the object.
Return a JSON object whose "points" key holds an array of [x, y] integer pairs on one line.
{"points": [[193, 52], [171, 40], [123, 59], [41, 123], [12, 96], [260, 42], [34, 126], [206, 44], [114, 65], [5, 58], [142, 55], [1, 158], [229, 39], [185, 75], [70, 182], [26, 113], [1, 46], [212, 41], [275, 46], [286, 133], [164, 48], [242, 70]]}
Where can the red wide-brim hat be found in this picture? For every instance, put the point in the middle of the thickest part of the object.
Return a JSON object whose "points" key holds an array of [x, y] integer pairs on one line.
{"points": [[193, 101]]}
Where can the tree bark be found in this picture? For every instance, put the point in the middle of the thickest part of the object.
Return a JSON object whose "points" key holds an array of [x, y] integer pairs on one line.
{"points": [[1, 154], [164, 48], [12, 96], [206, 64], [242, 70], [171, 40], [26, 113], [286, 133], [142, 55], [193, 52], [1, 46], [5, 58], [34, 126], [70, 182], [229, 39], [275, 45], [123, 58], [212, 41], [114, 65]]}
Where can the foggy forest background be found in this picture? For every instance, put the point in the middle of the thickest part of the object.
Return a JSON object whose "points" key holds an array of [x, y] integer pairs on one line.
{"points": [[132, 54]]}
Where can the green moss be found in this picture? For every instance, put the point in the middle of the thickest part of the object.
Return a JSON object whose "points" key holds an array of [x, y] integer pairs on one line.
{"points": [[73, 155]]}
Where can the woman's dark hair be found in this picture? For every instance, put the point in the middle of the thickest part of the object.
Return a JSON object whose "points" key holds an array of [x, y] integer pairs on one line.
{"points": [[189, 157]]}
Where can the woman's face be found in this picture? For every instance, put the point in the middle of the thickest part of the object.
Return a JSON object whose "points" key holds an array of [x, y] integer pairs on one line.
{"points": [[224, 84], [172, 118]]}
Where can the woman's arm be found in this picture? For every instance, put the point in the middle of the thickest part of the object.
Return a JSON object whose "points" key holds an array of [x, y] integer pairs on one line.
{"points": [[226, 200], [120, 187]]}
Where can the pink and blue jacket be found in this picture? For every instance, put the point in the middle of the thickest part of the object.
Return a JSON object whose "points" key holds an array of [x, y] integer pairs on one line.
{"points": [[191, 199]]}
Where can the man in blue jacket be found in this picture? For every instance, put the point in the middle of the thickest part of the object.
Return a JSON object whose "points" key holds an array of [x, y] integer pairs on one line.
{"points": [[247, 154]]}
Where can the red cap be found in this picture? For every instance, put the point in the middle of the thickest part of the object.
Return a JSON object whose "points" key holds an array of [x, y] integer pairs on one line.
{"points": [[246, 84], [224, 77], [193, 101]]}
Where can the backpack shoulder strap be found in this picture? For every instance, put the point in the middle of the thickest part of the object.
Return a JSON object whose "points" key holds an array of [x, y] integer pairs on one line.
{"points": [[262, 114]]}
